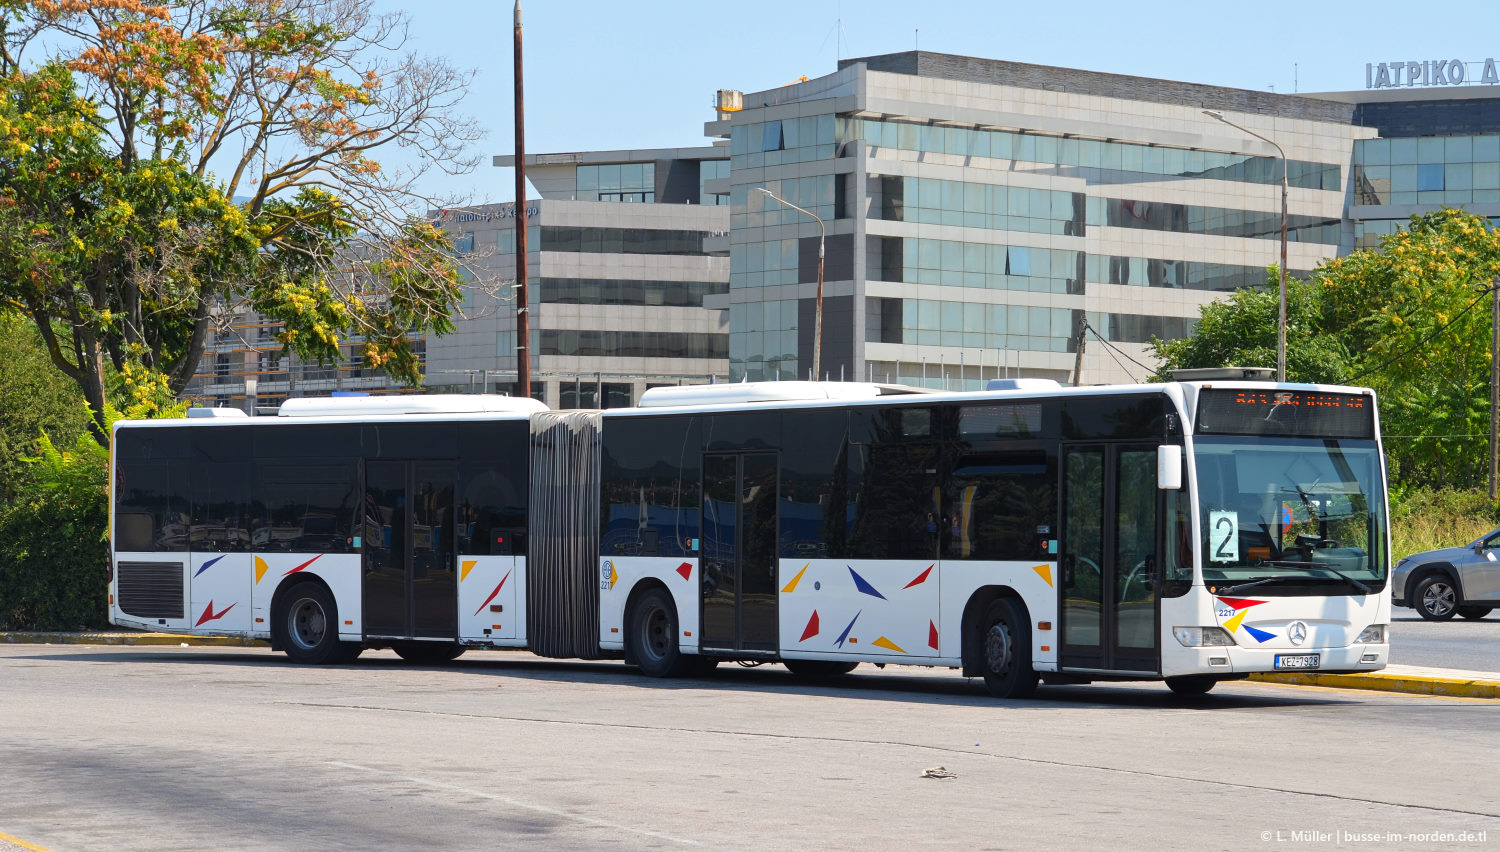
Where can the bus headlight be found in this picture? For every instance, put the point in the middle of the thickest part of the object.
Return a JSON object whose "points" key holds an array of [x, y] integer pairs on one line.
{"points": [[1197, 637], [1372, 635]]}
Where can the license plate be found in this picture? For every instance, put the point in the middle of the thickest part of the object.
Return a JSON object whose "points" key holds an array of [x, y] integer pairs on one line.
{"points": [[1296, 661]]}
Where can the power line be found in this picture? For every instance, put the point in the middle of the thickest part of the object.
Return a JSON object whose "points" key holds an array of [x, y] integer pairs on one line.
{"points": [[1101, 339]]}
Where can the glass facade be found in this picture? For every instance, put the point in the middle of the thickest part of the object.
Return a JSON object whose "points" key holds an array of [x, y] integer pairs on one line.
{"points": [[712, 170], [624, 291], [919, 260], [632, 344], [1095, 161], [618, 182], [774, 143], [1212, 221], [1436, 170], [763, 340], [623, 240], [758, 210], [1176, 274], [976, 205]]}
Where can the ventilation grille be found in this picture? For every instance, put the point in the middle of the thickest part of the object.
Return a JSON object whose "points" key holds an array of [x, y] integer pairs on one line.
{"points": [[150, 589], [562, 555]]}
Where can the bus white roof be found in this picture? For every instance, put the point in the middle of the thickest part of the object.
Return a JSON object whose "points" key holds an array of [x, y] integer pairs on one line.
{"points": [[395, 404]]}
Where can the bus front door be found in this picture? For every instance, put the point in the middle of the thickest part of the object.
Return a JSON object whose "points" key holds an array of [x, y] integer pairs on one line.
{"points": [[738, 556], [410, 582], [1108, 606]]}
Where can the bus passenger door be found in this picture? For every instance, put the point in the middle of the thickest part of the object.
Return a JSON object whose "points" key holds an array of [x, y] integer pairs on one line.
{"points": [[1109, 559], [738, 555], [410, 582]]}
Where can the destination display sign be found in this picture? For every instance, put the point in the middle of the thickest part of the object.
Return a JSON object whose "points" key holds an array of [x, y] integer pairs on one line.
{"points": [[1308, 414]]}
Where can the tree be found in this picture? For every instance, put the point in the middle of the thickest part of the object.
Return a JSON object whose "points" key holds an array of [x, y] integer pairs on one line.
{"points": [[1416, 314], [34, 398], [1241, 331], [176, 163]]}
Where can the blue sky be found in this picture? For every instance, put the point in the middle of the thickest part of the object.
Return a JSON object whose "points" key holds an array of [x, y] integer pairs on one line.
{"points": [[608, 75]]}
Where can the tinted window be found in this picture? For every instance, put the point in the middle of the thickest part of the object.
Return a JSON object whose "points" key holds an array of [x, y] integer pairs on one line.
{"points": [[817, 500], [301, 441], [151, 490], [494, 484], [306, 507], [651, 469], [1115, 417], [221, 490], [1002, 505]]}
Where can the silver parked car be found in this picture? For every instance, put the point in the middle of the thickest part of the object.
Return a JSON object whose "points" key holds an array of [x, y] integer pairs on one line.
{"points": [[1449, 581]]}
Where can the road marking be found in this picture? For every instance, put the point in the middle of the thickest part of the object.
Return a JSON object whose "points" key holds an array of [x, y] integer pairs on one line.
{"points": [[1370, 693], [6, 838], [438, 785]]}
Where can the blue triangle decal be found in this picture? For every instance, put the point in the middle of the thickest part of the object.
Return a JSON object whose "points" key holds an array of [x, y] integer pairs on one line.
{"points": [[845, 635], [859, 583], [1260, 635], [208, 564]]}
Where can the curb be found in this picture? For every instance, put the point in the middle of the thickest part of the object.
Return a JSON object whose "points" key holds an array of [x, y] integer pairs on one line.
{"points": [[20, 638], [1449, 686]]}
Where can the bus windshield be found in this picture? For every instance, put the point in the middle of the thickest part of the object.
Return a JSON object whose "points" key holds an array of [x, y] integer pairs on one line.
{"points": [[1291, 516]]}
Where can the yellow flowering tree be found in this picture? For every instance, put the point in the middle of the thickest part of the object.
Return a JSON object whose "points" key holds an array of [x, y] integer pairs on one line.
{"points": [[172, 164]]}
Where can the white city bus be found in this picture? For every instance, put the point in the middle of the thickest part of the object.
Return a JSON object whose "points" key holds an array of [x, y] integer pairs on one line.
{"points": [[1188, 531]]}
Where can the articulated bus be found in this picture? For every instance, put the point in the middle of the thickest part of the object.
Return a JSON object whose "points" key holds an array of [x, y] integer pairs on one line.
{"points": [[1191, 531]]}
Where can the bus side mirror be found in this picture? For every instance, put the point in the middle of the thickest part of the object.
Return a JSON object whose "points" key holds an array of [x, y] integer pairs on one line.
{"points": [[1169, 467]]}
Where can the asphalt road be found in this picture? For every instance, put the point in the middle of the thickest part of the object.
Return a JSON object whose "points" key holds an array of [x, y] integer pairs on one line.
{"points": [[208, 748], [1456, 644]]}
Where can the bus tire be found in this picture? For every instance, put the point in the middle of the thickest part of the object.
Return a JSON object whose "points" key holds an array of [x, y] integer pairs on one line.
{"points": [[1004, 641], [1436, 598], [428, 653], [1191, 684], [307, 627], [653, 636], [819, 668]]}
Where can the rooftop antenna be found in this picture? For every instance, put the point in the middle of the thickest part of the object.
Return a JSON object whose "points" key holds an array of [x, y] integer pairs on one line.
{"points": [[917, 38], [1295, 81]]}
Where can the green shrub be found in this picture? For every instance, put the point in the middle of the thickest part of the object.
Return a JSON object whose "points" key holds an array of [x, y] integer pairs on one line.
{"points": [[53, 552], [1426, 519]]}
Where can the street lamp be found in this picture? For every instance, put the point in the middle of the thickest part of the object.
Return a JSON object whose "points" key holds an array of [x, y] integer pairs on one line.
{"points": [[1281, 320], [817, 363]]}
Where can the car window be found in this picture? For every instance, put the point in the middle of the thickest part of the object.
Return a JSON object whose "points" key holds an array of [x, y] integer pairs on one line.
{"points": [[1493, 539]]}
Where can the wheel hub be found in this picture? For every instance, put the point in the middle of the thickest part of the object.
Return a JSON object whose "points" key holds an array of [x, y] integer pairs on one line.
{"points": [[998, 649], [308, 623], [1439, 599]]}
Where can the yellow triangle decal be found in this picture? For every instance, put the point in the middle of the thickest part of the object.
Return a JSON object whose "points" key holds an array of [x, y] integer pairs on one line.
{"points": [[1043, 571], [883, 642], [1233, 624], [260, 568], [614, 576], [468, 566], [792, 586]]}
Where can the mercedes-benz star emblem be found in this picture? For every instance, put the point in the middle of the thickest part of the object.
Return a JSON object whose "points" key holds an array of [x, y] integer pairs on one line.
{"points": [[1297, 632]]}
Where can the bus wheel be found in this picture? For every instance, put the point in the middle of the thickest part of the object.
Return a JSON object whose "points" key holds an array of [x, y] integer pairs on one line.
{"points": [[427, 653], [653, 637], [308, 627], [1473, 613], [1005, 642], [1191, 684], [818, 668]]}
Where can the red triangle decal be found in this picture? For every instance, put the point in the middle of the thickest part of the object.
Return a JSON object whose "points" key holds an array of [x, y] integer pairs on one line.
{"points": [[686, 570], [932, 637], [812, 628], [921, 578], [1240, 603]]}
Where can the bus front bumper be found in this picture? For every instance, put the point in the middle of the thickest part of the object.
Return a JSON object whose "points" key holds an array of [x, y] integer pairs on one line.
{"points": [[1236, 660]]}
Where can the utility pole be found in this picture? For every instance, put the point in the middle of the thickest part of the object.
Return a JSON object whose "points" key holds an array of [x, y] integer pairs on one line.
{"points": [[523, 323], [1083, 324], [1494, 384]]}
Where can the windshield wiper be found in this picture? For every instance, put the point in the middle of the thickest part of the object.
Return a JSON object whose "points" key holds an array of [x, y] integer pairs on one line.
{"points": [[1243, 586], [1364, 589]]}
